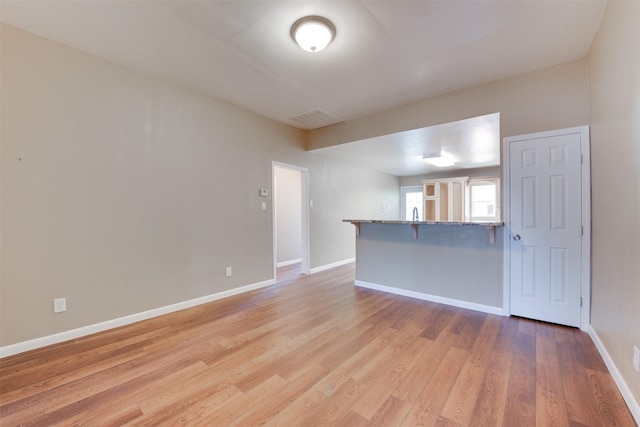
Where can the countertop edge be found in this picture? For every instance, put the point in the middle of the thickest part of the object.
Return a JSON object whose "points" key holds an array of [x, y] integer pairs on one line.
{"points": [[385, 221]]}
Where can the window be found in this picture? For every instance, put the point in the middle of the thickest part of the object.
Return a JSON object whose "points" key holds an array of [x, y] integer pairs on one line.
{"points": [[484, 199], [412, 198]]}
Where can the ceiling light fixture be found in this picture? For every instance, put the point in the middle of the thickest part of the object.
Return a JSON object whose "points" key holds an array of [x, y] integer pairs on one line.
{"points": [[439, 160], [313, 33]]}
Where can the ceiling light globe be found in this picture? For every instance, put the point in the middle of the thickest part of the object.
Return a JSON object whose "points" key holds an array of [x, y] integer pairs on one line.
{"points": [[313, 33]]}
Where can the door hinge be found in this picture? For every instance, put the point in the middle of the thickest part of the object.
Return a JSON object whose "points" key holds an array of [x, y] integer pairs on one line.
{"points": [[580, 301], [582, 230]]}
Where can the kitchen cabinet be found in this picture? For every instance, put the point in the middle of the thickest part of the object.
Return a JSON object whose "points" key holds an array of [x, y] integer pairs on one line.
{"points": [[444, 199]]}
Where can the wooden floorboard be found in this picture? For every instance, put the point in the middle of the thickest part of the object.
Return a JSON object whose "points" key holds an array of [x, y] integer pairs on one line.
{"points": [[316, 351]]}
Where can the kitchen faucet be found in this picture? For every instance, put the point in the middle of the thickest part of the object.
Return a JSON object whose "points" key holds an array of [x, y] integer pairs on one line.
{"points": [[415, 214]]}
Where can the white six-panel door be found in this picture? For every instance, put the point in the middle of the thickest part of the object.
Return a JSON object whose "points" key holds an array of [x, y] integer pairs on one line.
{"points": [[545, 226]]}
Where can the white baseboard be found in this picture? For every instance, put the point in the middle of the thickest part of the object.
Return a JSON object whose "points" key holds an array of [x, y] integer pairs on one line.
{"points": [[434, 298], [632, 403], [290, 262], [332, 265], [21, 347]]}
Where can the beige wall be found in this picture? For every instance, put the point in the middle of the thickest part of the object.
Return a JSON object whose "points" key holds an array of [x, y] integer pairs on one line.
{"points": [[614, 69], [124, 193], [374, 196], [552, 98]]}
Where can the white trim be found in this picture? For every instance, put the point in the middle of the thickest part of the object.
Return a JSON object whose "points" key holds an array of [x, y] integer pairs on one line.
{"points": [[21, 347], [305, 220], [332, 265], [634, 406], [585, 149], [434, 298], [290, 262], [506, 229]]}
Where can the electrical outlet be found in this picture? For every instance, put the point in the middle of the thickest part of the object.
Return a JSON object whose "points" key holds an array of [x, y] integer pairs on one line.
{"points": [[636, 359], [229, 272], [59, 305]]}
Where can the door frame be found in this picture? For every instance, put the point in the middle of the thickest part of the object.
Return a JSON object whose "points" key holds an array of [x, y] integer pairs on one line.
{"points": [[304, 211], [585, 169]]}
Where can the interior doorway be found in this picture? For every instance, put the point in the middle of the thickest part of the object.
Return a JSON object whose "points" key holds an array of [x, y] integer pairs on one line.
{"points": [[290, 221]]}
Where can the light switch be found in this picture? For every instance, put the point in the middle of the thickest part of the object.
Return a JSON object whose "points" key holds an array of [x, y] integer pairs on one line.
{"points": [[264, 206]]}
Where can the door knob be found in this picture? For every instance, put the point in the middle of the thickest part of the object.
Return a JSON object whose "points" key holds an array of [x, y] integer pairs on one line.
{"points": [[516, 237]]}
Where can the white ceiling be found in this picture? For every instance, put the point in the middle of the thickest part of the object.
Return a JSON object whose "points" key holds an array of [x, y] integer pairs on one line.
{"points": [[385, 54], [471, 143]]}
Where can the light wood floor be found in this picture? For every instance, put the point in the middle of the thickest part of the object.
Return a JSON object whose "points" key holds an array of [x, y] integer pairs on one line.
{"points": [[315, 350]]}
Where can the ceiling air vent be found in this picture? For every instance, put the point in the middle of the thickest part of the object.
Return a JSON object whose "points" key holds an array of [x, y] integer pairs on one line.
{"points": [[314, 119]]}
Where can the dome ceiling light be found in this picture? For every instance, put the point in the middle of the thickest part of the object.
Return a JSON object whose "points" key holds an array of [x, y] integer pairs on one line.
{"points": [[313, 33]]}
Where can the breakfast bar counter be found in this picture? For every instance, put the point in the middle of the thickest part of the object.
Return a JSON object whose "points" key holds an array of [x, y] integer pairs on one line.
{"points": [[455, 263], [491, 226]]}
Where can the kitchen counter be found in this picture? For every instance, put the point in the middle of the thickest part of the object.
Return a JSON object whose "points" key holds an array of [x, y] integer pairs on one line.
{"points": [[491, 226], [456, 263]]}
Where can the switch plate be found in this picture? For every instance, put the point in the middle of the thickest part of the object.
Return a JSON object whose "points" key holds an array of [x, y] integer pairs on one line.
{"points": [[229, 271], [264, 206], [636, 358], [59, 305]]}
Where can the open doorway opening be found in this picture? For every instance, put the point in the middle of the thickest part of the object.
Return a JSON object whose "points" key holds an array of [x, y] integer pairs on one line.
{"points": [[290, 221]]}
